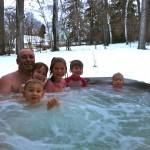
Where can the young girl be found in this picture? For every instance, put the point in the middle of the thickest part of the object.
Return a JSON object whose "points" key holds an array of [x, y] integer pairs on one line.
{"points": [[117, 80], [39, 72], [76, 67], [58, 69]]}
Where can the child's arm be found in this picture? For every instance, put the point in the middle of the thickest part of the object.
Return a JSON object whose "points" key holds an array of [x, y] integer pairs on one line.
{"points": [[52, 102]]}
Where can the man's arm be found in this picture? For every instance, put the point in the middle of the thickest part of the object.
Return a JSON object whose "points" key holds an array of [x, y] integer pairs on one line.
{"points": [[5, 85]]}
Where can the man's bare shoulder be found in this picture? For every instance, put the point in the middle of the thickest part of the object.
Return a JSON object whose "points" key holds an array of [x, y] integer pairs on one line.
{"points": [[8, 82], [9, 76]]}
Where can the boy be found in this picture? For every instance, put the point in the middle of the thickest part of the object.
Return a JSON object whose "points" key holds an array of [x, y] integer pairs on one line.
{"points": [[33, 93], [76, 67]]}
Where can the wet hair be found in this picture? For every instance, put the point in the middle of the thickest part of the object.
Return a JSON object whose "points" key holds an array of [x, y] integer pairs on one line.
{"points": [[74, 63], [38, 65], [33, 81], [116, 74], [53, 62]]}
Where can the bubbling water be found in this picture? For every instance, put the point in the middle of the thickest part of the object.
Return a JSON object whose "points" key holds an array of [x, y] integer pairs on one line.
{"points": [[95, 117]]}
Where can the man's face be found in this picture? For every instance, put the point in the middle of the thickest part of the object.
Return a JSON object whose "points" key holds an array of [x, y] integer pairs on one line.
{"points": [[25, 59]]}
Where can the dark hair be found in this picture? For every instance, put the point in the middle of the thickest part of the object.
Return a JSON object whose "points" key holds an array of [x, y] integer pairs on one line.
{"points": [[74, 63], [38, 65], [53, 62]]}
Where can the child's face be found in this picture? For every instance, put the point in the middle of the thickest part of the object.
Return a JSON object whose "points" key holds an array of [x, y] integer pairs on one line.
{"points": [[33, 93], [40, 74], [59, 70], [118, 81], [77, 71]]}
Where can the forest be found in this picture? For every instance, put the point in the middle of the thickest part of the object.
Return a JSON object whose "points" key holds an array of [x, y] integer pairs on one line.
{"points": [[74, 22]]}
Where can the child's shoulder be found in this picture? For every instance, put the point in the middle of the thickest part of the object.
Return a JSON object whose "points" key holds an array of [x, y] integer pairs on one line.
{"points": [[49, 81], [68, 78]]}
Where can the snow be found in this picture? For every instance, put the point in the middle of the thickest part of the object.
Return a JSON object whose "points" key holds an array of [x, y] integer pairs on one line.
{"points": [[133, 63]]}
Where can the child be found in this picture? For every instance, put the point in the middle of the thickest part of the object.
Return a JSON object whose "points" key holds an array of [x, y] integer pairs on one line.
{"points": [[39, 72], [33, 93], [58, 69], [76, 67], [117, 80]]}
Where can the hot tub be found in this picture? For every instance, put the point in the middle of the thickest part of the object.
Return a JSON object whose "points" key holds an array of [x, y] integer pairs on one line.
{"points": [[97, 117]]}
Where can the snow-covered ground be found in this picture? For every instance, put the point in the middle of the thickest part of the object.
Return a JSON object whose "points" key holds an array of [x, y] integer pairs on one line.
{"points": [[127, 59]]}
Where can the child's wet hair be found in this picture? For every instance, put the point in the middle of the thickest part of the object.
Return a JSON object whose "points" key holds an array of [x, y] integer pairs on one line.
{"points": [[33, 81], [38, 65], [117, 74], [74, 63]]}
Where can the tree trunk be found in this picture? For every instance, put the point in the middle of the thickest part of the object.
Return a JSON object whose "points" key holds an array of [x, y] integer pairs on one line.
{"points": [[126, 22], [78, 41], [19, 25], [2, 30], [91, 26], [55, 26], [142, 36], [105, 23], [110, 29], [138, 5], [148, 24]]}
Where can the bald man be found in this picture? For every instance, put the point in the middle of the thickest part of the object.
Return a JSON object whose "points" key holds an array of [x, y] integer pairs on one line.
{"points": [[12, 82]]}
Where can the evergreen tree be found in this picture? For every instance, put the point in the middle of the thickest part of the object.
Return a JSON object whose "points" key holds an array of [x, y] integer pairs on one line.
{"points": [[42, 31]]}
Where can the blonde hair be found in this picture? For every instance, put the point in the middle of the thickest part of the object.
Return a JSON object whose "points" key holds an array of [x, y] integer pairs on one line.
{"points": [[116, 74], [33, 81]]}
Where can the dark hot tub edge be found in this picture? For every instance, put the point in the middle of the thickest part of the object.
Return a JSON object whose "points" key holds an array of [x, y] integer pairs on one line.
{"points": [[108, 80]]}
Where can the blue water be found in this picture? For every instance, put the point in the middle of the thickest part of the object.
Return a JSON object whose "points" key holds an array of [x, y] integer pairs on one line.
{"points": [[93, 118]]}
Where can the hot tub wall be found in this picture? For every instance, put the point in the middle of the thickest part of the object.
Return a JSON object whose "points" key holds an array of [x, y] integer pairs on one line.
{"points": [[108, 80]]}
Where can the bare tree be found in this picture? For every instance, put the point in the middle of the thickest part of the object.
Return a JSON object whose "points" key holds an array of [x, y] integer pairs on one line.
{"points": [[76, 8], [10, 33], [19, 25], [109, 23], [138, 6], [31, 24], [148, 25], [105, 23], [2, 32], [55, 26], [142, 36], [126, 21], [64, 27], [43, 13]]}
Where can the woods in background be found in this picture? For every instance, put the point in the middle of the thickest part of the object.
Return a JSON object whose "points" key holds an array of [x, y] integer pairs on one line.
{"points": [[74, 22]]}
